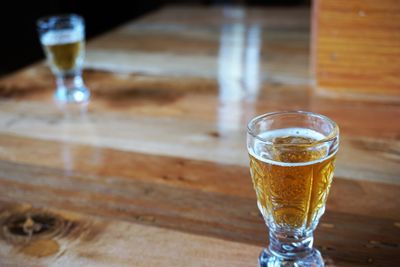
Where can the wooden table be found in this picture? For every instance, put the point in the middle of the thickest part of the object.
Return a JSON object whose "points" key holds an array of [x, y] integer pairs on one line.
{"points": [[154, 171]]}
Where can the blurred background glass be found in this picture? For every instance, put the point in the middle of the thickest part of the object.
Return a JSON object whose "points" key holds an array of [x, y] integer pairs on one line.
{"points": [[63, 41]]}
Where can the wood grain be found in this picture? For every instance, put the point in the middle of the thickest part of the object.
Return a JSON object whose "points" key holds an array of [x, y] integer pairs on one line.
{"points": [[98, 242], [355, 46], [197, 197], [104, 165], [154, 170]]}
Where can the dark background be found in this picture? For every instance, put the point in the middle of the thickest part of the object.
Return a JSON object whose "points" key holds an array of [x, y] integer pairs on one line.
{"points": [[18, 19]]}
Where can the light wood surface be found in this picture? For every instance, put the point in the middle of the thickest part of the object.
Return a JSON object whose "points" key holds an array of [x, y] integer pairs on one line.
{"points": [[355, 46], [154, 170]]}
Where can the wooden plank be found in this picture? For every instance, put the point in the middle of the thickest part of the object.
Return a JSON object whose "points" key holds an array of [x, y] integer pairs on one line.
{"points": [[104, 167], [163, 96], [76, 240], [213, 139]]}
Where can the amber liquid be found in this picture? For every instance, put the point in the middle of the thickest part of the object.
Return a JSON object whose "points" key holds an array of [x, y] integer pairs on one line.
{"points": [[293, 186], [64, 56]]}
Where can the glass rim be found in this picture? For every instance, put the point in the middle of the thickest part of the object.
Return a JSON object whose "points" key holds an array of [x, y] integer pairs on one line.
{"points": [[45, 20], [334, 134]]}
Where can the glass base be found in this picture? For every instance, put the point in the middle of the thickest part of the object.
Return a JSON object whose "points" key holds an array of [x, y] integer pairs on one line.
{"points": [[71, 89], [313, 259], [72, 95]]}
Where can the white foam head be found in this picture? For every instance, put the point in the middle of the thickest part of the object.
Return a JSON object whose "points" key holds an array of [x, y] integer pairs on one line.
{"points": [[62, 36], [259, 150], [295, 132]]}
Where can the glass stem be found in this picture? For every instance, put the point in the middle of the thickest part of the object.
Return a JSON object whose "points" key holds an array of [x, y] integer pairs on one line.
{"points": [[291, 246], [69, 81]]}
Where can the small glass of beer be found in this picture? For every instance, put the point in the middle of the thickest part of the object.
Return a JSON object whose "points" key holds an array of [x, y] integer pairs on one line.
{"points": [[292, 159], [63, 41]]}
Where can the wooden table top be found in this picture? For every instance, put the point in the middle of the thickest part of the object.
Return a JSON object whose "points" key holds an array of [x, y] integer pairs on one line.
{"points": [[154, 171]]}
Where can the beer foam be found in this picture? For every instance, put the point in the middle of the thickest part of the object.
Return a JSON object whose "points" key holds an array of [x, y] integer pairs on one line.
{"points": [[62, 37], [296, 132], [259, 153]]}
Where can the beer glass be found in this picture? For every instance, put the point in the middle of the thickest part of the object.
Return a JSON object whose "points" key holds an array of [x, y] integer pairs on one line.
{"points": [[292, 159], [63, 41]]}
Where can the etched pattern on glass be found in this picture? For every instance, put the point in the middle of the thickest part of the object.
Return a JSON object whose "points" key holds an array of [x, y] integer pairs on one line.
{"points": [[294, 197]]}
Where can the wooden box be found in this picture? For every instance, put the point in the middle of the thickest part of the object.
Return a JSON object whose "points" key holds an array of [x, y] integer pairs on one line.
{"points": [[356, 48]]}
